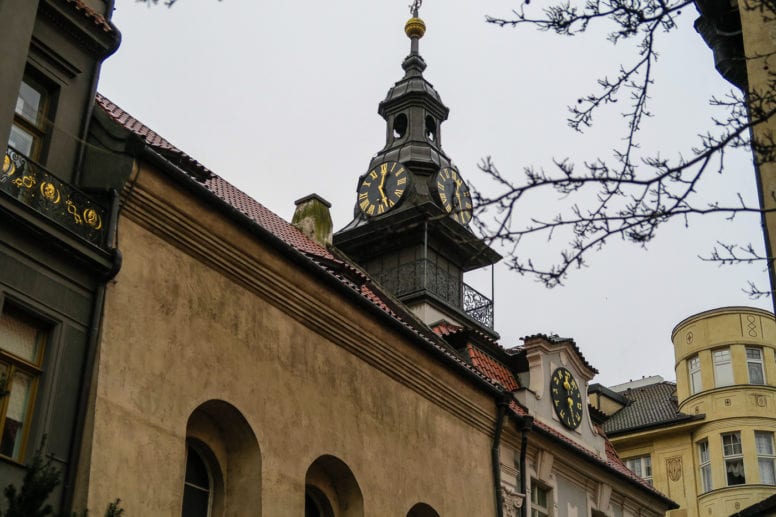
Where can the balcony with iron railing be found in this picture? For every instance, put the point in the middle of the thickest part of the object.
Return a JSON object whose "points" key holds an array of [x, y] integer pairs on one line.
{"points": [[31, 184], [422, 274]]}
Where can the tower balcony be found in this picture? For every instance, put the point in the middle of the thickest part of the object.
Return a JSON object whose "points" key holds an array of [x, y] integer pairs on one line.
{"points": [[420, 276]]}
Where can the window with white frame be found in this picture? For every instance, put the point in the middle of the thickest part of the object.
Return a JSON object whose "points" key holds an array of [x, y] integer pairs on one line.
{"points": [[641, 466], [766, 457], [723, 368], [540, 500], [754, 365], [694, 369], [734, 459], [704, 462]]}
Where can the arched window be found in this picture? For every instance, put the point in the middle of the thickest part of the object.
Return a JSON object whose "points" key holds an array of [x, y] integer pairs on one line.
{"points": [[422, 510], [316, 504], [198, 486], [331, 489], [221, 444]]}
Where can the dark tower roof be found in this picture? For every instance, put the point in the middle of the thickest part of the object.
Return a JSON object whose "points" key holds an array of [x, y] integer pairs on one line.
{"points": [[413, 239]]}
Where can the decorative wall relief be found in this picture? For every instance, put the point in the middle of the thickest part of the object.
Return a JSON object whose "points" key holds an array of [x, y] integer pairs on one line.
{"points": [[511, 501], [674, 468]]}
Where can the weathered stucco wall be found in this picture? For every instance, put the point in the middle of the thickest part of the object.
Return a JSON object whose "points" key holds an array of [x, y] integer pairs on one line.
{"points": [[202, 310]]}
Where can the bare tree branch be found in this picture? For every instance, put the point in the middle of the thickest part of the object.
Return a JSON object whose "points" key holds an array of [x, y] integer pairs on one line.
{"points": [[631, 196]]}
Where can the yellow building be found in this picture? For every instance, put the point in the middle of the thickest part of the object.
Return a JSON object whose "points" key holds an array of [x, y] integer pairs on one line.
{"points": [[706, 441]]}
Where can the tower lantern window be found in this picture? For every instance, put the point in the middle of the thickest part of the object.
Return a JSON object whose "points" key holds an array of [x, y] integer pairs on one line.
{"points": [[431, 128], [400, 126]]}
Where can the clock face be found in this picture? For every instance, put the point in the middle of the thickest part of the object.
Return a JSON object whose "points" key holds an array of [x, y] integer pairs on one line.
{"points": [[382, 187], [566, 398], [454, 195]]}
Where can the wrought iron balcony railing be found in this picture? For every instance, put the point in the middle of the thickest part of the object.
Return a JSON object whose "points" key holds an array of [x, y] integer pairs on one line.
{"points": [[35, 187], [477, 306], [423, 274]]}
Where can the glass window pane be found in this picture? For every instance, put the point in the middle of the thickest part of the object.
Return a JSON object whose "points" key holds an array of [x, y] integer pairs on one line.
{"points": [[196, 502], [723, 370], [767, 473], [21, 140], [735, 472], [756, 373], [704, 450], [29, 103], [196, 471], [19, 337], [764, 441], [753, 353], [18, 404]]}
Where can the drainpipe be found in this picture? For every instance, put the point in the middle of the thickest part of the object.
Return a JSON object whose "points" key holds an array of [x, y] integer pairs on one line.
{"points": [[526, 423], [68, 483], [502, 405]]}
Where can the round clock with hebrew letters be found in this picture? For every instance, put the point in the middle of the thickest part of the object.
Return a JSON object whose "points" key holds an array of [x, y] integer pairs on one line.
{"points": [[566, 398]]}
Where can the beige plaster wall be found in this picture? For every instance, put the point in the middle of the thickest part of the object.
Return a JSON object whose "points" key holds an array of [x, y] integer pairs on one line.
{"points": [[759, 36], [673, 464], [201, 311]]}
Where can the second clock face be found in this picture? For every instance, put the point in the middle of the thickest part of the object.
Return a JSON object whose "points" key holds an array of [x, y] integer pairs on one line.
{"points": [[454, 195], [382, 187], [566, 398]]}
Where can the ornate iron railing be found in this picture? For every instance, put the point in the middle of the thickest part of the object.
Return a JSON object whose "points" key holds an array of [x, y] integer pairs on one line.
{"points": [[477, 306], [423, 274], [418, 275], [34, 186]]}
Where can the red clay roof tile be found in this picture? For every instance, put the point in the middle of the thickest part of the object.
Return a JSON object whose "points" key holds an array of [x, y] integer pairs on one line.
{"points": [[492, 368], [91, 14]]}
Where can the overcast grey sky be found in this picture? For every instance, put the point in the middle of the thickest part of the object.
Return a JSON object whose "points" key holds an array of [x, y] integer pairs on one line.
{"points": [[280, 98]]}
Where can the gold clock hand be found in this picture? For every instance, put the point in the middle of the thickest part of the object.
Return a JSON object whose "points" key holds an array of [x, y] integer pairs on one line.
{"points": [[380, 188]]}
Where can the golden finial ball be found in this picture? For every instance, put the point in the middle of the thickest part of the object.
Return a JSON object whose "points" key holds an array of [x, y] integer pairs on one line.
{"points": [[415, 28]]}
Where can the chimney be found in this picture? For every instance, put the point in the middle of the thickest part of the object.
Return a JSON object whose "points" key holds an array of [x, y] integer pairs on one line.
{"points": [[312, 218]]}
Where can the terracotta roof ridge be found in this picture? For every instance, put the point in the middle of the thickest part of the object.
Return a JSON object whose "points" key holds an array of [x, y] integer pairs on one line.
{"points": [[97, 18], [151, 137]]}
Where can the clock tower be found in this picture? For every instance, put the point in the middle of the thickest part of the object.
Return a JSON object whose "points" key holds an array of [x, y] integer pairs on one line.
{"points": [[410, 227]]}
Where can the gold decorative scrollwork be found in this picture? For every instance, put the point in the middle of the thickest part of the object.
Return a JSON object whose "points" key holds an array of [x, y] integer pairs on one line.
{"points": [[73, 210], [92, 218], [25, 182], [50, 192], [9, 167]]}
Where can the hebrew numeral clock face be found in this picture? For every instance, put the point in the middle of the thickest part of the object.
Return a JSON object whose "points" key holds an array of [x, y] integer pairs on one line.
{"points": [[454, 195], [382, 188], [566, 398]]}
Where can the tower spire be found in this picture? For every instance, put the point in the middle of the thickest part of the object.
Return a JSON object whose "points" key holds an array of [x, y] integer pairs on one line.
{"points": [[415, 28]]}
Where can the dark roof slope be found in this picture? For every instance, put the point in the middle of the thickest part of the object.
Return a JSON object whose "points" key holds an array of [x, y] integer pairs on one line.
{"points": [[648, 406]]}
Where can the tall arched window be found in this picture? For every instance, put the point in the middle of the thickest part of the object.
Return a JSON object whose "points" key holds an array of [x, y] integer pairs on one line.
{"points": [[197, 488], [316, 504], [422, 510]]}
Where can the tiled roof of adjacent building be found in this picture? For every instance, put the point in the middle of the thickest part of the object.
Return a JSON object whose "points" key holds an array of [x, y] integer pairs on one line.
{"points": [[492, 368], [648, 406], [345, 273], [557, 340]]}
